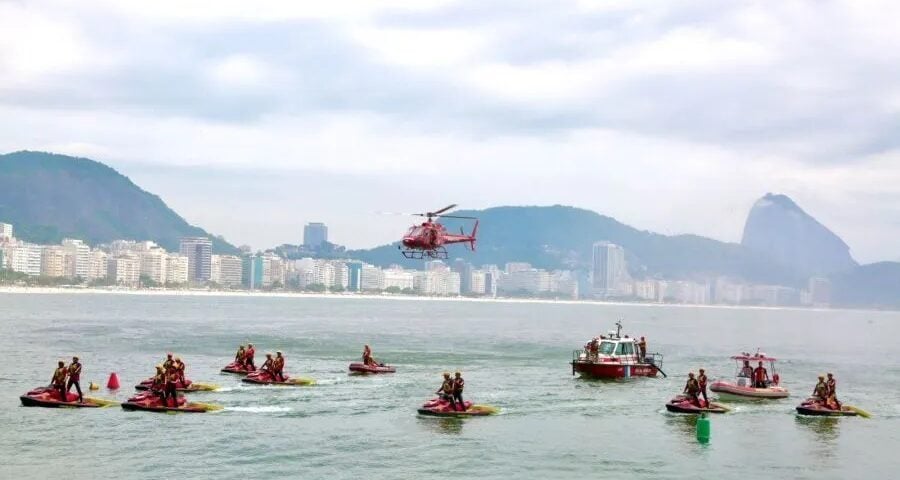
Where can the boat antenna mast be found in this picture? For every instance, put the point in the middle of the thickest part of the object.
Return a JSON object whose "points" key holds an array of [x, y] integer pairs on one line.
{"points": [[619, 328]]}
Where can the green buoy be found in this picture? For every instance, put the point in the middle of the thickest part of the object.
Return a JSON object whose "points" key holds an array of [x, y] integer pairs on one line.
{"points": [[703, 428]]}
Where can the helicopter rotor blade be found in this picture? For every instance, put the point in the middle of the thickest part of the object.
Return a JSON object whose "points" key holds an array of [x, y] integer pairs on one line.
{"points": [[438, 212], [456, 216]]}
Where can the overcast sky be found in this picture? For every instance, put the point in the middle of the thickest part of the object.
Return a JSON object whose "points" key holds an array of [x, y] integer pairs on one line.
{"points": [[252, 118]]}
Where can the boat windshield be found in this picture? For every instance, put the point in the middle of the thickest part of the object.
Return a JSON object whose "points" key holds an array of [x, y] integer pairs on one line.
{"points": [[607, 348], [625, 348]]}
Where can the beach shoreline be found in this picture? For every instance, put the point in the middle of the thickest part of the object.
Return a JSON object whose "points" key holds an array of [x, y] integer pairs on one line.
{"points": [[368, 296]]}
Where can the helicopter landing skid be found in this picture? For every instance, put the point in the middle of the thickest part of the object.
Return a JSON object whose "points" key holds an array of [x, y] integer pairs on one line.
{"points": [[437, 253]]}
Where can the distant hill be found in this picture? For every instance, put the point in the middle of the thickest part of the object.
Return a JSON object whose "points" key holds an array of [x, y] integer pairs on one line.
{"points": [[48, 197], [780, 229], [873, 285], [562, 237]]}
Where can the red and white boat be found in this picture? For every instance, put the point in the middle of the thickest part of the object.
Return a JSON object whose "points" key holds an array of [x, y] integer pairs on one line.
{"points": [[742, 384], [615, 356]]}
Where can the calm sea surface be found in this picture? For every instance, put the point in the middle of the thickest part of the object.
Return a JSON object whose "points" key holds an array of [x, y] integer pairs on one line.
{"points": [[513, 355]]}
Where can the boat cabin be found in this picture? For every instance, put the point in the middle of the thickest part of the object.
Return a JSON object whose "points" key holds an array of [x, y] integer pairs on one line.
{"points": [[746, 364], [616, 348]]}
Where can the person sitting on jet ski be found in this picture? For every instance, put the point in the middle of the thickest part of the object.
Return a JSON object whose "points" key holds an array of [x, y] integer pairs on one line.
{"points": [[179, 367], [692, 389], [278, 367], [820, 391], [760, 377], [446, 390], [746, 370], [58, 381], [248, 357], [240, 355], [267, 365], [367, 357], [158, 385], [458, 385]]}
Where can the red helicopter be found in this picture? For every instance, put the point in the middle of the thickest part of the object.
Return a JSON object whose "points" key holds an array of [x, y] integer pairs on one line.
{"points": [[429, 238]]}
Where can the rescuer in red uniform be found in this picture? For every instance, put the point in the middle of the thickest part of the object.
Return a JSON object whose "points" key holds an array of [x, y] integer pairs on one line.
{"points": [[760, 376], [171, 390], [692, 389], [58, 381], [278, 367], [458, 385], [248, 357], [179, 367], [74, 372], [701, 383], [446, 390]]}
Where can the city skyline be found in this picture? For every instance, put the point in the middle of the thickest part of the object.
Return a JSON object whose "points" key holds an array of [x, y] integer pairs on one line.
{"points": [[668, 121], [143, 264]]}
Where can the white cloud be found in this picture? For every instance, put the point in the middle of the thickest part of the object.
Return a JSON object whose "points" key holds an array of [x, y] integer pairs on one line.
{"points": [[672, 117]]}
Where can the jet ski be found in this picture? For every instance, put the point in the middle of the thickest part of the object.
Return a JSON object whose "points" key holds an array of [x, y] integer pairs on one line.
{"points": [[50, 398], [152, 402], [438, 407], [186, 386], [261, 377], [359, 367], [238, 368], [816, 408], [683, 404]]}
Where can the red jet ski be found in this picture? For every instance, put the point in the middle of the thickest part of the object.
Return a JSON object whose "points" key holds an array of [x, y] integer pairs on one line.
{"points": [[187, 386], [262, 377], [152, 402], [238, 368], [359, 367], [438, 407], [819, 409], [50, 398], [683, 404]]}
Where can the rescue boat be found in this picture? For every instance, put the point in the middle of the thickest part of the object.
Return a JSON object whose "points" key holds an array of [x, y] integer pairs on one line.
{"points": [[615, 356], [362, 368], [50, 398], [742, 385], [438, 407], [683, 404], [261, 377]]}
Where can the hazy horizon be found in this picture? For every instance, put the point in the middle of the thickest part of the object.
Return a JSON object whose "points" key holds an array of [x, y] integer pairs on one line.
{"points": [[252, 120]]}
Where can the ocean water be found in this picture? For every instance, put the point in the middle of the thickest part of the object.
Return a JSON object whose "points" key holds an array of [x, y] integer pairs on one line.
{"points": [[513, 355]]}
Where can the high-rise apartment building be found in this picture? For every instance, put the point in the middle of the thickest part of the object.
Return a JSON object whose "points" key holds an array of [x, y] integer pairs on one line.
{"points": [[53, 261], [609, 275], [227, 270], [99, 265], [154, 262], [315, 234], [78, 258], [125, 269], [6, 231], [177, 267], [198, 250]]}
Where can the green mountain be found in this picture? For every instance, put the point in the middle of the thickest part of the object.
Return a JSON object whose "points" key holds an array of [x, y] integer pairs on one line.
{"points": [[872, 285], [781, 229], [48, 197], [562, 237]]}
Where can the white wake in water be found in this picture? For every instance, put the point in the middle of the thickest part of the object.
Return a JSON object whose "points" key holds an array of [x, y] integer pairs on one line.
{"points": [[266, 409]]}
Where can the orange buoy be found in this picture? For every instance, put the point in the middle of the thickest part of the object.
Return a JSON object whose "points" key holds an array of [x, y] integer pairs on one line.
{"points": [[113, 382]]}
